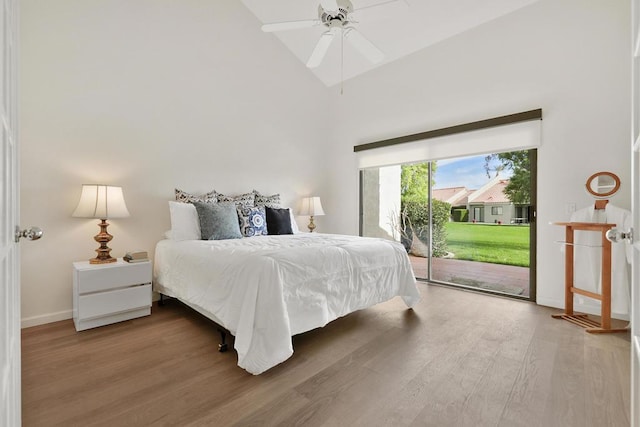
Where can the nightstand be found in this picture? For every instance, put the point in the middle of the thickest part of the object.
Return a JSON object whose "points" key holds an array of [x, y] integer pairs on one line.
{"points": [[110, 293]]}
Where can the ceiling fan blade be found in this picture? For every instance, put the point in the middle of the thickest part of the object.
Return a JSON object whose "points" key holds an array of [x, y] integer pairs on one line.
{"points": [[364, 46], [329, 5], [380, 10], [290, 25], [321, 49]]}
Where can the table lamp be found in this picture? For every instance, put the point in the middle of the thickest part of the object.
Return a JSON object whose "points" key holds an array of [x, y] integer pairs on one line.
{"points": [[102, 202], [313, 207]]}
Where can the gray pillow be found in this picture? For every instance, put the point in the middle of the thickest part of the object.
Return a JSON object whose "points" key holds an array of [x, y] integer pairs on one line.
{"points": [[218, 221]]}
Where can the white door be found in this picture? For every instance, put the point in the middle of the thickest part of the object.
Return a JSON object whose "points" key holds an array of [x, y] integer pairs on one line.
{"points": [[635, 210], [9, 254]]}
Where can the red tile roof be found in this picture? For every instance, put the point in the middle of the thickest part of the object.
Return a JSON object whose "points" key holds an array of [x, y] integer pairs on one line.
{"points": [[459, 195], [456, 196], [494, 194]]}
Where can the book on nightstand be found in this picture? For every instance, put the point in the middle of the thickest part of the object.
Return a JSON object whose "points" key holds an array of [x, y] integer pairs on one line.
{"points": [[136, 256]]}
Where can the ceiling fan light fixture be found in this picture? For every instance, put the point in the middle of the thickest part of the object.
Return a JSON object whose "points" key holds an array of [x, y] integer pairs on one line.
{"points": [[335, 15], [339, 15]]}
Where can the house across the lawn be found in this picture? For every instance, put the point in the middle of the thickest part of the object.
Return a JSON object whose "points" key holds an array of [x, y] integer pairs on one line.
{"points": [[488, 204]]}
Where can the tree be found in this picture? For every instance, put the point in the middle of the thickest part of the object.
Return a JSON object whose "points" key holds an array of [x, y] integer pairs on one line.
{"points": [[518, 191], [414, 182], [414, 212]]}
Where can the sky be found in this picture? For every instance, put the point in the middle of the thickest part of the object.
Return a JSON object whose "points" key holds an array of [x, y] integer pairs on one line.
{"points": [[464, 172]]}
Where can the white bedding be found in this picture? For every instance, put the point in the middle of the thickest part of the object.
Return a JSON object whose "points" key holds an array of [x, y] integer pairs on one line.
{"points": [[266, 289]]}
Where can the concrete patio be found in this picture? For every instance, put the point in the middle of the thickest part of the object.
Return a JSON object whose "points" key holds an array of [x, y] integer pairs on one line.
{"points": [[503, 278]]}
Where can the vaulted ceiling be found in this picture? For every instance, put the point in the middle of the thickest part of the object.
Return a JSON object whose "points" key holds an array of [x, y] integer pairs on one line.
{"points": [[398, 30]]}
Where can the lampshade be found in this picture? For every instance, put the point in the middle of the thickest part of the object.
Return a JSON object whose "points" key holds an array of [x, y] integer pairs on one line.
{"points": [[102, 202], [311, 206]]}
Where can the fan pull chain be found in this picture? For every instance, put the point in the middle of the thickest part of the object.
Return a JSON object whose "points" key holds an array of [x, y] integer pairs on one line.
{"points": [[341, 60]]}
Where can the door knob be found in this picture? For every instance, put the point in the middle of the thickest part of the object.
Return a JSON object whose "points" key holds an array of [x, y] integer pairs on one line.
{"points": [[614, 235], [34, 233]]}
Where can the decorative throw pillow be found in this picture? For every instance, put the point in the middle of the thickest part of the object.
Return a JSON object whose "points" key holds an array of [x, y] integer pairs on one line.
{"points": [[182, 196], [185, 224], [253, 221], [272, 201], [278, 220], [247, 199], [218, 221]]}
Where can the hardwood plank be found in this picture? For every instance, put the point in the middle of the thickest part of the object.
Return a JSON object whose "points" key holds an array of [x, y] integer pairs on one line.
{"points": [[604, 390], [528, 397], [486, 402]]}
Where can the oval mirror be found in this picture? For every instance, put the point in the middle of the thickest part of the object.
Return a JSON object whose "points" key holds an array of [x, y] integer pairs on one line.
{"points": [[603, 184]]}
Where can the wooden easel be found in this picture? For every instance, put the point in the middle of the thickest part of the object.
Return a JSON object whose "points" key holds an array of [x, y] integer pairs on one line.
{"points": [[569, 289]]}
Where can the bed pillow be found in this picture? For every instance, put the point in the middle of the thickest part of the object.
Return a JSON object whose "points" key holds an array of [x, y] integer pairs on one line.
{"points": [[278, 220], [253, 221], [294, 223], [272, 201], [247, 199], [185, 224], [183, 196], [218, 221]]}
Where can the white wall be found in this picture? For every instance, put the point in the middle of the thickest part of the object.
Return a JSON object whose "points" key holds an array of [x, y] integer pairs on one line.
{"points": [[568, 57], [151, 95], [381, 202]]}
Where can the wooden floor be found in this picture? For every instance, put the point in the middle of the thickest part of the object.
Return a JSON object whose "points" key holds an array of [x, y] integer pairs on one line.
{"points": [[457, 359]]}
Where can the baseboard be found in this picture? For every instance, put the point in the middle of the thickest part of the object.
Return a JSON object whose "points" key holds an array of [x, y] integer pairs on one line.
{"points": [[28, 322], [580, 308]]}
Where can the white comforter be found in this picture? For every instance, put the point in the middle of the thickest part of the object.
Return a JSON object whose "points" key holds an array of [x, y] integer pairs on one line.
{"points": [[266, 289]]}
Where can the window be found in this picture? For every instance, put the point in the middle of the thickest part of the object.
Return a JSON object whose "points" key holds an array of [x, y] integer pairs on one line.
{"points": [[496, 210]]}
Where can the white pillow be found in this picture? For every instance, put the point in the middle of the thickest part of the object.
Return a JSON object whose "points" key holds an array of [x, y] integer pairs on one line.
{"points": [[294, 224], [185, 224]]}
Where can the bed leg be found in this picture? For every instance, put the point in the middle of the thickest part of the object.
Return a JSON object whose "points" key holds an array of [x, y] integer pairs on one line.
{"points": [[161, 300], [222, 347]]}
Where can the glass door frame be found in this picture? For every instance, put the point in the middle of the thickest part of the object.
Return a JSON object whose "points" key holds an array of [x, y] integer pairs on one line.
{"points": [[533, 161]]}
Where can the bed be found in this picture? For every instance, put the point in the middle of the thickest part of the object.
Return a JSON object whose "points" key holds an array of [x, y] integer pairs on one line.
{"points": [[265, 289]]}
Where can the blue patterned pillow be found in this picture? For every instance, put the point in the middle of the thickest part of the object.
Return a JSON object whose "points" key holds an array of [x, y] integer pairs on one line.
{"points": [[253, 221]]}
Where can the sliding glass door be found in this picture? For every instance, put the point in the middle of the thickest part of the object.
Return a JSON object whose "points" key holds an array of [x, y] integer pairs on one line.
{"points": [[465, 221]]}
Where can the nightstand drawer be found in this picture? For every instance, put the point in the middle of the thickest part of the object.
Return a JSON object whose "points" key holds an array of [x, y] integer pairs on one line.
{"points": [[116, 275], [109, 303]]}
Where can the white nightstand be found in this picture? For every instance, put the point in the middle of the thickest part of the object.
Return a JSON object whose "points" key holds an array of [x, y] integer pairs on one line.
{"points": [[110, 293]]}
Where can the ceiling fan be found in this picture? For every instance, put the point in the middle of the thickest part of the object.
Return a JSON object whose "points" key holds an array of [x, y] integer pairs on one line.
{"points": [[338, 16]]}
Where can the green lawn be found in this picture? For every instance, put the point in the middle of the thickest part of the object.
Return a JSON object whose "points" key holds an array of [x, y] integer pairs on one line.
{"points": [[497, 244]]}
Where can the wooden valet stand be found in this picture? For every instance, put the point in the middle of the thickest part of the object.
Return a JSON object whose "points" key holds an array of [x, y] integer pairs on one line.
{"points": [[582, 320]]}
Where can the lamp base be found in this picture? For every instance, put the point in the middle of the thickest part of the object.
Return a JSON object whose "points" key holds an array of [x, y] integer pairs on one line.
{"points": [[311, 225], [102, 260], [103, 251]]}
